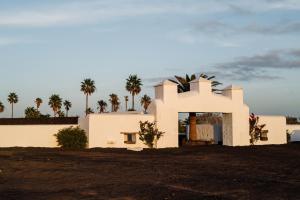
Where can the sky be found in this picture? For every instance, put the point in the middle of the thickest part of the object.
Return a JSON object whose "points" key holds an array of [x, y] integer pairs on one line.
{"points": [[48, 47]]}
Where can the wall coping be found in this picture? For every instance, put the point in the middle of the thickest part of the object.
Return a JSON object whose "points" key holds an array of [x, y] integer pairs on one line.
{"points": [[39, 121]]}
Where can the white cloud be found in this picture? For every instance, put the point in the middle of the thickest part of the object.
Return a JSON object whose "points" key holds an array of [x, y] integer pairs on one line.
{"points": [[7, 41], [188, 37], [83, 12], [93, 11]]}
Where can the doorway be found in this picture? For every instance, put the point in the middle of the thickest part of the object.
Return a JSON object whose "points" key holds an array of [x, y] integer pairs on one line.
{"points": [[208, 128]]}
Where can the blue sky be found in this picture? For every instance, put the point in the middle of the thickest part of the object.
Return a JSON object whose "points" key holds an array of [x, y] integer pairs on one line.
{"points": [[49, 47]]}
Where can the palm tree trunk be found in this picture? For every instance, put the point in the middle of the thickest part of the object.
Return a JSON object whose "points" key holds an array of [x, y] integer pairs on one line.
{"points": [[86, 104], [132, 102], [67, 113], [12, 110], [193, 126], [126, 105]]}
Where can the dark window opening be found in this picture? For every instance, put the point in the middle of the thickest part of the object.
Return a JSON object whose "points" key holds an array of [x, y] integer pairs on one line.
{"points": [[129, 138]]}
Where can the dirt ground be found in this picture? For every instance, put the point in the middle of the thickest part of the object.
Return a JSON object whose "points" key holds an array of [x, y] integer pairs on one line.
{"points": [[202, 172]]}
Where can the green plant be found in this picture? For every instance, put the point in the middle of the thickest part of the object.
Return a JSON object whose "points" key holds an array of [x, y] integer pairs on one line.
{"points": [[12, 99], [55, 102], [88, 88], [126, 102], [67, 105], [71, 138], [31, 112], [2, 107], [61, 113], [145, 102], [101, 106], [115, 103], [38, 102], [89, 111], [256, 131], [133, 86], [149, 134]]}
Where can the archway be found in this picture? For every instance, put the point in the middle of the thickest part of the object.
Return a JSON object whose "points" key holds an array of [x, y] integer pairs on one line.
{"points": [[208, 128]]}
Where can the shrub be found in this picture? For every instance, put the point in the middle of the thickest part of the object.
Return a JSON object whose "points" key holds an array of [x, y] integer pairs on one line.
{"points": [[31, 112], [256, 131], [148, 133], [71, 138]]}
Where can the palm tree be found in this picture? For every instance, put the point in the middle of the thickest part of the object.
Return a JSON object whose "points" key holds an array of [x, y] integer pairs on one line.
{"points": [[133, 86], [88, 88], [126, 103], [184, 86], [184, 82], [12, 99], [89, 111], [67, 105], [101, 106], [145, 102], [38, 102], [55, 102], [114, 100], [2, 107]]}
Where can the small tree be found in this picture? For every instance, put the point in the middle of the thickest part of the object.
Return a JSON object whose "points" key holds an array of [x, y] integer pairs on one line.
{"points": [[256, 131], [2, 107], [71, 138], [67, 105], [145, 102], [89, 111], [61, 113], [31, 112], [101, 106], [149, 134], [12, 99], [38, 102]]}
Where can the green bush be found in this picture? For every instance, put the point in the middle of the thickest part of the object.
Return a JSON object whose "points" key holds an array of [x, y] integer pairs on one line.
{"points": [[71, 138], [149, 134]]}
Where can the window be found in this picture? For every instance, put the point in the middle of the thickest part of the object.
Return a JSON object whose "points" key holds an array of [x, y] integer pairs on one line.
{"points": [[129, 138]]}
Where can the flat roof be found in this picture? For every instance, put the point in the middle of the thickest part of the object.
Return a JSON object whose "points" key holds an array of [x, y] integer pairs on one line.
{"points": [[39, 121]]}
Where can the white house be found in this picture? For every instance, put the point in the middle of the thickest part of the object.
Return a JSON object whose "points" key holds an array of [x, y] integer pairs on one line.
{"points": [[113, 129], [119, 130]]}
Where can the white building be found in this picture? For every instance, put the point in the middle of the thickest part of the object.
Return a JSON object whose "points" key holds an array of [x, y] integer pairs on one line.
{"points": [[120, 130], [112, 129]]}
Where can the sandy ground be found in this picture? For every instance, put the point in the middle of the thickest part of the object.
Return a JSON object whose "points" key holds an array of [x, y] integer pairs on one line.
{"points": [[202, 172]]}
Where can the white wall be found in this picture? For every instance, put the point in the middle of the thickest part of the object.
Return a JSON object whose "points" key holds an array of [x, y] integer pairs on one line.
{"points": [[29, 135], [105, 130], [294, 130], [276, 125], [209, 132], [168, 103]]}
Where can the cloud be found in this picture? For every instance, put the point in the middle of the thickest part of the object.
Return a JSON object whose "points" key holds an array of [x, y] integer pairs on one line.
{"points": [[155, 80], [262, 67], [84, 12], [7, 41], [95, 11], [219, 28], [243, 75], [277, 59], [259, 67]]}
